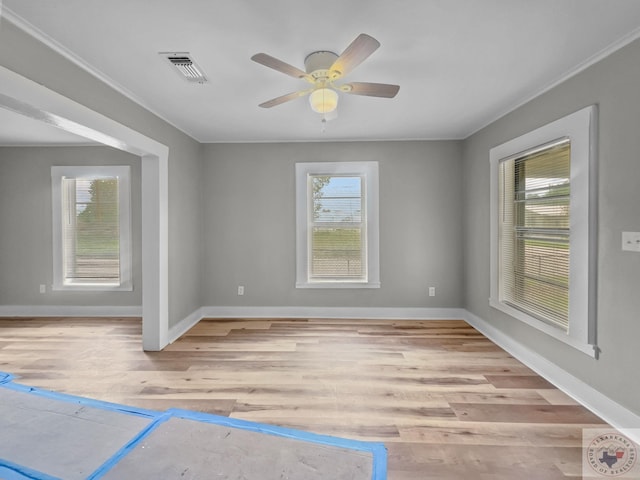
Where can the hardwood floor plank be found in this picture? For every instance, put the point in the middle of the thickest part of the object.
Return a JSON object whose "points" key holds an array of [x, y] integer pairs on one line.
{"points": [[518, 381], [222, 407], [509, 397], [556, 397], [498, 433], [552, 414]]}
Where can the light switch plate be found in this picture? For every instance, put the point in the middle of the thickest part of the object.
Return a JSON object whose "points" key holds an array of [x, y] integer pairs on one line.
{"points": [[631, 241]]}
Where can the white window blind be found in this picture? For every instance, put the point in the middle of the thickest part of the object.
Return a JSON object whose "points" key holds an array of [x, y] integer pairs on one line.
{"points": [[91, 228], [534, 229], [337, 228]]}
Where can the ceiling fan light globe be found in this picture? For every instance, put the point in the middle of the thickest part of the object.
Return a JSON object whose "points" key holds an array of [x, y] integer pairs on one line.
{"points": [[323, 100]]}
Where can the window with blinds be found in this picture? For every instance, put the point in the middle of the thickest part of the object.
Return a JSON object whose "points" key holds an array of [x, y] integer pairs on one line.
{"points": [[91, 230], [534, 231], [337, 226], [91, 227], [543, 229], [337, 229]]}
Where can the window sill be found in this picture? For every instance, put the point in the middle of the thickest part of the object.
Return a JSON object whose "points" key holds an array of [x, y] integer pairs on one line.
{"points": [[92, 287], [331, 284], [550, 330]]}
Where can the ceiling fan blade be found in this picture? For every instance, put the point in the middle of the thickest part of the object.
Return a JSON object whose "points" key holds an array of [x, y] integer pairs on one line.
{"points": [[384, 90], [284, 98], [356, 53], [279, 65]]}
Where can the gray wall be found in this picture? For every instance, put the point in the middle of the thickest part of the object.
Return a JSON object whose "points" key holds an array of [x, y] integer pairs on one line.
{"points": [[249, 224], [613, 84], [27, 56], [26, 255]]}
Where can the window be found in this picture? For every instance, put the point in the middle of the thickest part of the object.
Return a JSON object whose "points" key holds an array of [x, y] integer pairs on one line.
{"points": [[534, 245], [543, 229], [337, 225], [91, 228]]}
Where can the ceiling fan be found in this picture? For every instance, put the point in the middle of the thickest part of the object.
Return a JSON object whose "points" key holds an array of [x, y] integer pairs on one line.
{"points": [[322, 69]]}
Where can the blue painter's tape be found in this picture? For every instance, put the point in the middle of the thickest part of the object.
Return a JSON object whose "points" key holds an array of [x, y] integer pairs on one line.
{"points": [[120, 454], [377, 449], [13, 471], [5, 377], [379, 462]]}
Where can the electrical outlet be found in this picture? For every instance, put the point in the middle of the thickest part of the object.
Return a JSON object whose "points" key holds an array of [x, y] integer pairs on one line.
{"points": [[631, 241], [43, 288], [432, 291], [240, 289]]}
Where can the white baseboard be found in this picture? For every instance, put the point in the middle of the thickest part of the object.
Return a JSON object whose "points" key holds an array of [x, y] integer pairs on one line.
{"points": [[184, 325], [610, 411], [69, 311], [334, 312]]}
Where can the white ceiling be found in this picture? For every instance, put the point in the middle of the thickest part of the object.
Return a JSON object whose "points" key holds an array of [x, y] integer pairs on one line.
{"points": [[460, 64]]}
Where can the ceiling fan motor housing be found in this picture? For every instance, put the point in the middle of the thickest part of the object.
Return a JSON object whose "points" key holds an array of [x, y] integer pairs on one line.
{"points": [[317, 64]]}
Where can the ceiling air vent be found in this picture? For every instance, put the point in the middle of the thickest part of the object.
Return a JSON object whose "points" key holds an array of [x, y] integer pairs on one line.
{"points": [[185, 66]]}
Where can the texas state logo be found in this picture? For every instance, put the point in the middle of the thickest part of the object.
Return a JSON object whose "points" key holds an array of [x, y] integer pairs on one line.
{"points": [[610, 454]]}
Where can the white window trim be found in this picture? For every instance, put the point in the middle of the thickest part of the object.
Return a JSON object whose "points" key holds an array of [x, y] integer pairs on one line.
{"points": [[123, 172], [369, 171], [580, 127]]}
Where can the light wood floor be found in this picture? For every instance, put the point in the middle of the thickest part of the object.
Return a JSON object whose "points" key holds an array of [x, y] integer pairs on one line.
{"points": [[447, 402]]}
